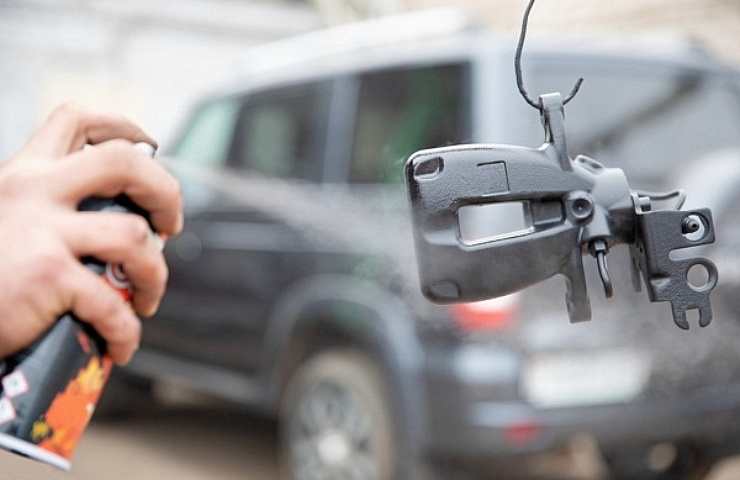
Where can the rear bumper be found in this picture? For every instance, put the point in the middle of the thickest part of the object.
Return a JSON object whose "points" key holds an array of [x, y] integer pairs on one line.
{"points": [[480, 417]]}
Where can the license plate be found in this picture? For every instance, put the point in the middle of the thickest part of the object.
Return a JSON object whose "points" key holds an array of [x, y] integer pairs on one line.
{"points": [[599, 377]]}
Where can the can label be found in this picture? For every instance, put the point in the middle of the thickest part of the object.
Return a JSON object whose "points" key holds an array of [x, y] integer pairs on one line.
{"points": [[60, 429], [50, 391]]}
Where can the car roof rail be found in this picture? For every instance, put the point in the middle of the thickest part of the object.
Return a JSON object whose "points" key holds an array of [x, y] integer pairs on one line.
{"points": [[355, 37]]}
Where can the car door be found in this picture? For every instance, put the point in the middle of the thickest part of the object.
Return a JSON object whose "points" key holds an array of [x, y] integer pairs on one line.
{"points": [[400, 110], [243, 162]]}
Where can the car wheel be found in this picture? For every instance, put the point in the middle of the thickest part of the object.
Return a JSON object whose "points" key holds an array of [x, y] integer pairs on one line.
{"points": [[335, 420]]}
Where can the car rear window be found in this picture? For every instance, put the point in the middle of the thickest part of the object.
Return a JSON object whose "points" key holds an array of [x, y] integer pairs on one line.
{"points": [[281, 132], [647, 121], [403, 110]]}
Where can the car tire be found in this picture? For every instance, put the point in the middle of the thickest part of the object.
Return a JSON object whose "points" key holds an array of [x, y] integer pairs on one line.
{"points": [[336, 420]]}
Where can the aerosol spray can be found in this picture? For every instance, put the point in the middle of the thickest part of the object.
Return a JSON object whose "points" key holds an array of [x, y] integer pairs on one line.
{"points": [[49, 391]]}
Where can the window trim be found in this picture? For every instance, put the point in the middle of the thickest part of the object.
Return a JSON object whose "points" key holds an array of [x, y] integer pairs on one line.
{"points": [[323, 89]]}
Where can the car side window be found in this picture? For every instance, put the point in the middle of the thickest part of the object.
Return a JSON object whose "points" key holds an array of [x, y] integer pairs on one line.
{"points": [[403, 110], [281, 133], [207, 138]]}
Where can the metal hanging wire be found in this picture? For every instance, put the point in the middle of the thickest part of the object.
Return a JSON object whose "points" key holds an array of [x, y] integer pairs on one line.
{"points": [[518, 65]]}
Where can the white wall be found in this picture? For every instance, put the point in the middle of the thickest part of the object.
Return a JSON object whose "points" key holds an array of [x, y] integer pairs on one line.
{"points": [[150, 58], [147, 59]]}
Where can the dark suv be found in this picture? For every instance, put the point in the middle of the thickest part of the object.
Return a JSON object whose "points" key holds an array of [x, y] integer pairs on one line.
{"points": [[293, 288]]}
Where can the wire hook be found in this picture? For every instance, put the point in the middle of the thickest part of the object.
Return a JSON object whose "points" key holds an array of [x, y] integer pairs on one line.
{"points": [[518, 65]]}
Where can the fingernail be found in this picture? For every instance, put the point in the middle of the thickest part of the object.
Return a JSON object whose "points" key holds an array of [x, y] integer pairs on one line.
{"points": [[145, 148], [158, 240]]}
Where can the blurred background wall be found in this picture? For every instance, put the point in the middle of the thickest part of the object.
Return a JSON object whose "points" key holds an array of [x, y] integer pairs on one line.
{"points": [[143, 58], [149, 59]]}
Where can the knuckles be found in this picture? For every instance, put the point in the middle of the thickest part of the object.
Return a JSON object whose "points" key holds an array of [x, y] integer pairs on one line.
{"points": [[136, 230], [68, 113], [48, 266]]}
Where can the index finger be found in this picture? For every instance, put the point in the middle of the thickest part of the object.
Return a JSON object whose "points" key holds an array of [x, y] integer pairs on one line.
{"points": [[70, 127], [114, 168]]}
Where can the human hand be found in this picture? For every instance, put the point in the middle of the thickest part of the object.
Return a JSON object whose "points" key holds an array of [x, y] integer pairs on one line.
{"points": [[43, 236]]}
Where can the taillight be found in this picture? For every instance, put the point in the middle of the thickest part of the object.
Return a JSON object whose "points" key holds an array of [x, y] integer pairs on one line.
{"points": [[488, 315], [522, 433]]}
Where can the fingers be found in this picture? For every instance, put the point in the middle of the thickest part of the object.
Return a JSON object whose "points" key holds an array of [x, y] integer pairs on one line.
{"points": [[115, 167], [71, 127], [124, 240], [111, 168], [42, 188], [93, 301]]}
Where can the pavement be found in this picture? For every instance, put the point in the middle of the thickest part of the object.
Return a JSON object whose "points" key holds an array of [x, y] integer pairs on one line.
{"points": [[184, 442]]}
